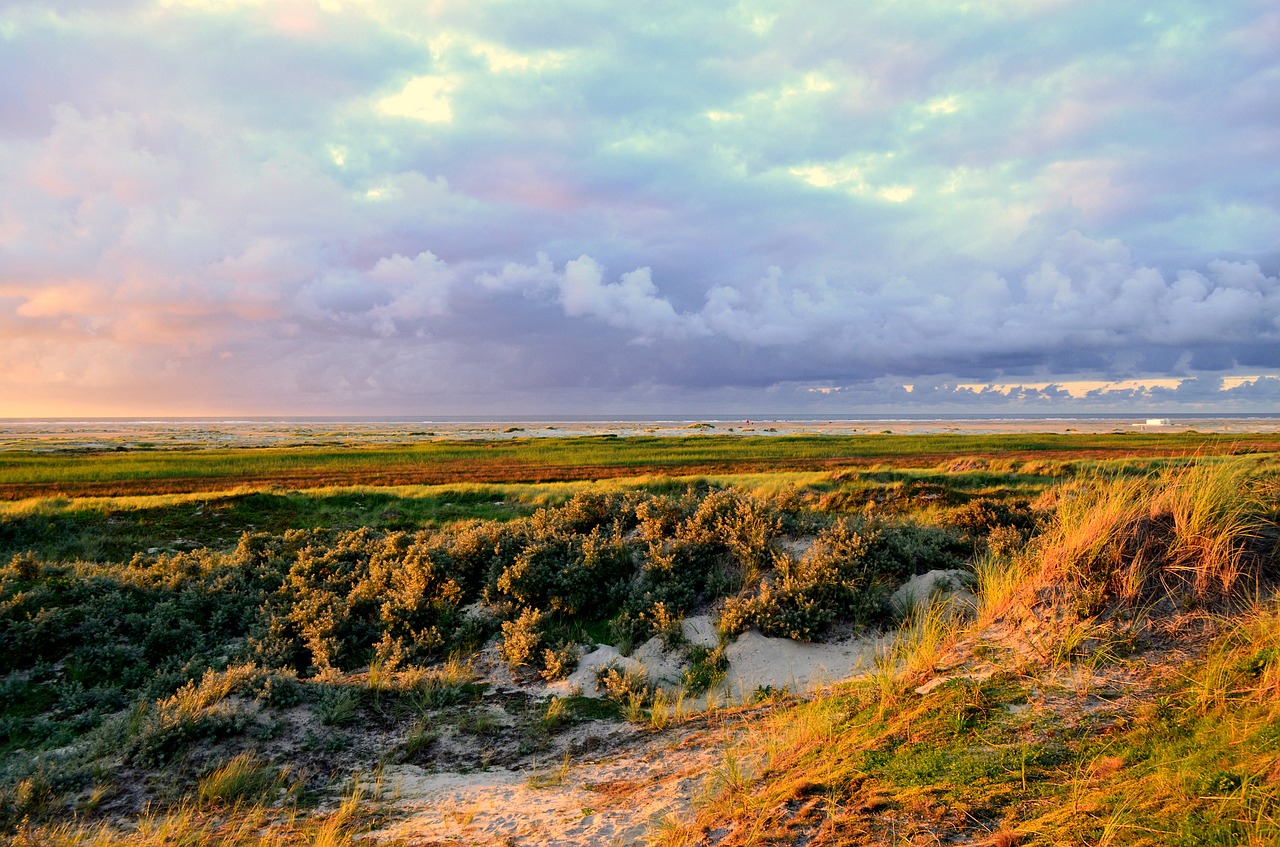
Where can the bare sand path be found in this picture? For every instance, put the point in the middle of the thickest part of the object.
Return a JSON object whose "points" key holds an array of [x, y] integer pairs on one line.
{"points": [[612, 799], [618, 781]]}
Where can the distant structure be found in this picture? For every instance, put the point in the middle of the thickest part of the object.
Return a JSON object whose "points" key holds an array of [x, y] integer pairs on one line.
{"points": [[1158, 422]]}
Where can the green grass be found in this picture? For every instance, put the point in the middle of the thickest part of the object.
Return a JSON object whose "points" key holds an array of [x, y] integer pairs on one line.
{"points": [[104, 529], [113, 529], [1015, 760], [227, 466], [242, 779]]}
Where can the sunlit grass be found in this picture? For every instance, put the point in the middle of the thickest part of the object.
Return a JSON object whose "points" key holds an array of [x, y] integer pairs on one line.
{"points": [[1196, 762], [1180, 537], [154, 467]]}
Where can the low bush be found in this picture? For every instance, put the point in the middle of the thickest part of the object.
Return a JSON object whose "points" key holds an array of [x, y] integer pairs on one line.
{"points": [[523, 639], [559, 662], [837, 578], [624, 686], [706, 669], [338, 706], [161, 732]]}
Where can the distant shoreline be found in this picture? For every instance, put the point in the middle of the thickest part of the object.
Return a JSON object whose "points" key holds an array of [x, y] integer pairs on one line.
{"points": [[605, 420], [110, 433]]}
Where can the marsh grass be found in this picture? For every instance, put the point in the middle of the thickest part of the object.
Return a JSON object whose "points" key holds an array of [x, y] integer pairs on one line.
{"points": [[427, 688], [667, 709], [1192, 763], [205, 468], [911, 653], [1197, 769], [338, 706], [556, 714], [1199, 766], [1000, 582]]}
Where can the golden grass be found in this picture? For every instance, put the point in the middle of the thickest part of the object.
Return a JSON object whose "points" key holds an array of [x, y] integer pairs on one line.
{"points": [[1001, 581], [1199, 762], [1182, 537], [532, 494], [192, 824], [243, 779]]}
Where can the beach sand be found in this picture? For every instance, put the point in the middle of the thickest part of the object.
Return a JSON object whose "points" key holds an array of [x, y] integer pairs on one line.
{"points": [[213, 433]]}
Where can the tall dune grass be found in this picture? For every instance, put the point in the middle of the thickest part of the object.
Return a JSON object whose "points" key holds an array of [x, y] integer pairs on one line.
{"points": [[1186, 537]]}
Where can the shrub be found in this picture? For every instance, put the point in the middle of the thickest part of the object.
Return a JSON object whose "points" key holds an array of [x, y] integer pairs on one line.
{"points": [[419, 596], [559, 662], [161, 731], [707, 668], [738, 523], [624, 686], [569, 575], [338, 706], [981, 515], [595, 583], [533, 576], [26, 567], [629, 630], [902, 550], [585, 513], [481, 550], [674, 574], [669, 627], [336, 624], [432, 688], [659, 517], [837, 578], [522, 639]]}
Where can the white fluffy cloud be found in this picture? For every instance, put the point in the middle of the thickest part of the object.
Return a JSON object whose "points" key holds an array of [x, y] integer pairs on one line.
{"points": [[1082, 294]]}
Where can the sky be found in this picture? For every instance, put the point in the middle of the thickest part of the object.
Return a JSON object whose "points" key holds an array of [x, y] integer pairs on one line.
{"points": [[465, 207]]}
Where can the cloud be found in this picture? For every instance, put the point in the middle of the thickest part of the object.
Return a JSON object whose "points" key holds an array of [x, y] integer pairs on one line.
{"points": [[632, 303], [423, 98], [585, 205], [1082, 295], [397, 295]]}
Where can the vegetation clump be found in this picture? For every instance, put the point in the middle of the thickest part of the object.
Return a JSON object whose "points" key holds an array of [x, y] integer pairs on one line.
{"points": [[1192, 536]]}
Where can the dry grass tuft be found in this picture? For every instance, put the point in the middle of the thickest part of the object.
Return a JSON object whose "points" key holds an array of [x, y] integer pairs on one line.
{"points": [[1181, 540]]}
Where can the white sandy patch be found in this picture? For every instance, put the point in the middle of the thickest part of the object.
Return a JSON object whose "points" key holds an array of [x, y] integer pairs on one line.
{"points": [[757, 661], [664, 667], [943, 585], [583, 680], [698, 629], [616, 800]]}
